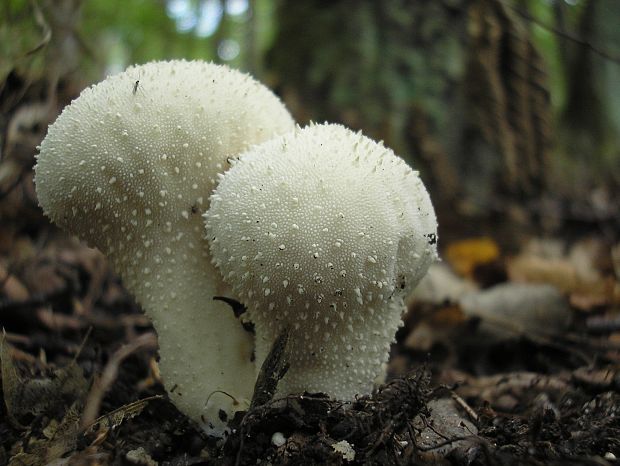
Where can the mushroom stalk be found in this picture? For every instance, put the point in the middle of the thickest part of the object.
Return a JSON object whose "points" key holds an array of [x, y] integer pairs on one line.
{"points": [[128, 167], [200, 339]]}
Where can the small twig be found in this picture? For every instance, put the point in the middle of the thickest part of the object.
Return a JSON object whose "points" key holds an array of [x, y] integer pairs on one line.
{"points": [[448, 442], [387, 434], [271, 372], [273, 369], [46, 29], [463, 404], [539, 337], [428, 425], [110, 372], [564, 34], [545, 340], [593, 343], [603, 324], [17, 338], [81, 347], [235, 400]]}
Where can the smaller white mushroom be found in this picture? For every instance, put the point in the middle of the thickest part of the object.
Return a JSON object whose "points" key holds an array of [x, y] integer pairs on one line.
{"points": [[323, 232]]}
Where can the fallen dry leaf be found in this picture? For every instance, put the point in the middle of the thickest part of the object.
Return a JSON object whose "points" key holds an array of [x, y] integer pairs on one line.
{"points": [[61, 438], [465, 255], [115, 418], [43, 395], [504, 391]]}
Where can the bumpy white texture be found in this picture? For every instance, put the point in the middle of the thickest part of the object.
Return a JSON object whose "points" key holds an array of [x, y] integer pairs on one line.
{"points": [[129, 167], [323, 231]]}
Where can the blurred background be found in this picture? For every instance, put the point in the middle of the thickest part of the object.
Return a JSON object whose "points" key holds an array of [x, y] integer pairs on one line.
{"points": [[510, 109]]}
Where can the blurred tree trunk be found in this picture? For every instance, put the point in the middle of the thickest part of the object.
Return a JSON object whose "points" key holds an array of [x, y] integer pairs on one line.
{"points": [[455, 86], [591, 118]]}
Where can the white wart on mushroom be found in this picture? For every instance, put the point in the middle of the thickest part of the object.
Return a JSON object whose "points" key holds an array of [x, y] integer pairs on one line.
{"points": [[128, 167], [323, 232]]}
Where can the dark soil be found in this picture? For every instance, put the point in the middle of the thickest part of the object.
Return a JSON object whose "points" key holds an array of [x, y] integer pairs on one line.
{"points": [[547, 409]]}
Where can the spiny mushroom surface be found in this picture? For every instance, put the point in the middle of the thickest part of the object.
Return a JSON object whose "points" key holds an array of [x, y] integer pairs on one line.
{"points": [[129, 167], [323, 232]]}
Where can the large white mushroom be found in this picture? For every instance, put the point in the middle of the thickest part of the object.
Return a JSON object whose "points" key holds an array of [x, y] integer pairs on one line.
{"points": [[128, 167], [322, 232]]}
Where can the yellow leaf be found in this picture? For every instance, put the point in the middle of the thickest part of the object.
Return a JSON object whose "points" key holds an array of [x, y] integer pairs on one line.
{"points": [[465, 255]]}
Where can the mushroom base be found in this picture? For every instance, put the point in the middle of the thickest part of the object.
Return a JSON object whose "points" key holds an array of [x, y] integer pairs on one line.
{"points": [[326, 359]]}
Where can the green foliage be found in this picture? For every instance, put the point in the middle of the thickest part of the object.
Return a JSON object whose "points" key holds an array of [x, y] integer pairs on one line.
{"points": [[122, 32], [98, 36], [20, 34]]}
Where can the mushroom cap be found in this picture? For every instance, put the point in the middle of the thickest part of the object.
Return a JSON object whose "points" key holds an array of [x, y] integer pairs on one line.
{"points": [[323, 231], [146, 145], [129, 167]]}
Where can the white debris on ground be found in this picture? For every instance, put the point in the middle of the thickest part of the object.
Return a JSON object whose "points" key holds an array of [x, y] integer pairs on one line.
{"points": [[345, 449], [278, 439]]}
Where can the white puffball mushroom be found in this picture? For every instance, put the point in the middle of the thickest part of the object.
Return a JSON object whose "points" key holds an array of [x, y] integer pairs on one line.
{"points": [[129, 167], [323, 232]]}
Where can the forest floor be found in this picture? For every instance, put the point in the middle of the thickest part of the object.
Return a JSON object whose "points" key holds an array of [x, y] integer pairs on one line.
{"points": [[504, 358]]}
